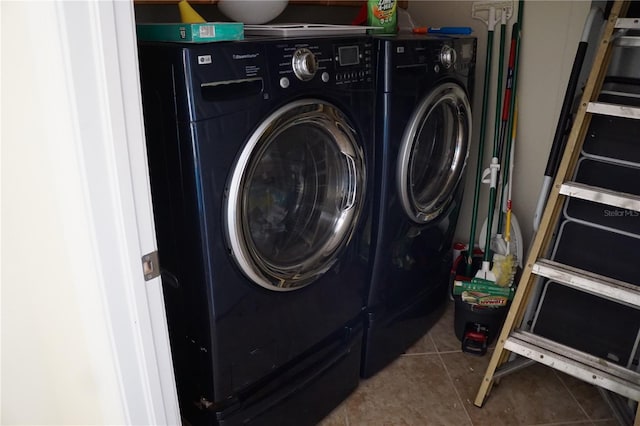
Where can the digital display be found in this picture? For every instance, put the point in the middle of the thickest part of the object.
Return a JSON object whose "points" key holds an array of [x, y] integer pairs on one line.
{"points": [[348, 55]]}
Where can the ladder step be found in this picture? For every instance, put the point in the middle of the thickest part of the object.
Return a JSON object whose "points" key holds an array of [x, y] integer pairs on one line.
{"points": [[628, 23], [584, 366], [624, 200], [614, 110], [628, 41], [612, 289]]}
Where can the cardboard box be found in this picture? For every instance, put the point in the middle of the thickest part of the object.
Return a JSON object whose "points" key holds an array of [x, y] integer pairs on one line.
{"points": [[483, 292], [191, 33]]}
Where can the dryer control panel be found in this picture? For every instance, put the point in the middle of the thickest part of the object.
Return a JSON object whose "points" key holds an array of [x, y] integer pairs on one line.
{"points": [[316, 63], [436, 54], [407, 60]]}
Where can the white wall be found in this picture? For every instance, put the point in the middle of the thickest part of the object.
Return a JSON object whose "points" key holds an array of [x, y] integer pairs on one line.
{"points": [[550, 36], [57, 367]]}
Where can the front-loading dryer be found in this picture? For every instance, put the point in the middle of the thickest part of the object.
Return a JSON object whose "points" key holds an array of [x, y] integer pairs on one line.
{"points": [[259, 156], [422, 134]]}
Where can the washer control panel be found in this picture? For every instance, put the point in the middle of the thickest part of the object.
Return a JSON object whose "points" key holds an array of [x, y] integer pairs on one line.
{"points": [[338, 62], [354, 63]]}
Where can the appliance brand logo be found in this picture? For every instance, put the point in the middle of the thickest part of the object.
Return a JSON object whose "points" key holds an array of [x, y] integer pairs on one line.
{"points": [[384, 5], [246, 56]]}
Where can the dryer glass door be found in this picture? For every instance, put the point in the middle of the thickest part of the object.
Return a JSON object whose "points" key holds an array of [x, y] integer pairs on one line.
{"points": [[433, 152], [295, 195]]}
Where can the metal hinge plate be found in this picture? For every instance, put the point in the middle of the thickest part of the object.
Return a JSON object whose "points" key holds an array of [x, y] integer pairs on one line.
{"points": [[150, 265]]}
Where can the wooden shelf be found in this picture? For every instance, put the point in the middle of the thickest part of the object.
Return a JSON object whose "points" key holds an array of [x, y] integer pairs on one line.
{"points": [[352, 3], [174, 1]]}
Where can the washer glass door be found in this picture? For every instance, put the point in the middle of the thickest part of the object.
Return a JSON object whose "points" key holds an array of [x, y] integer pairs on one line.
{"points": [[295, 195], [433, 152]]}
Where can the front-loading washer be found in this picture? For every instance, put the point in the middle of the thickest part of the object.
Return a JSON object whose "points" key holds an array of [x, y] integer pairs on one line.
{"points": [[259, 154], [422, 137]]}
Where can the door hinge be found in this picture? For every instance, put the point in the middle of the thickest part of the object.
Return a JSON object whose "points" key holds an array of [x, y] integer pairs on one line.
{"points": [[150, 265]]}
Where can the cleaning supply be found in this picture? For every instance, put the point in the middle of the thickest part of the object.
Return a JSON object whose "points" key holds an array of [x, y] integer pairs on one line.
{"points": [[443, 30], [494, 168], [505, 260], [497, 243], [191, 33], [383, 14], [494, 10], [506, 267], [188, 15]]}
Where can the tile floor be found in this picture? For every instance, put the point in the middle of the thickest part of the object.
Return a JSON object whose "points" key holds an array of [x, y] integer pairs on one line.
{"points": [[435, 383]]}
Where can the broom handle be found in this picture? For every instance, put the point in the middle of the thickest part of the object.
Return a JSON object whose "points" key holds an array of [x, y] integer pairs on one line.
{"points": [[507, 232], [517, 28], [496, 142]]}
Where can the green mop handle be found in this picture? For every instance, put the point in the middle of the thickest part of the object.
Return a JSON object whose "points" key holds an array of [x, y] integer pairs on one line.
{"points": [[479, 169], [495, 162]]}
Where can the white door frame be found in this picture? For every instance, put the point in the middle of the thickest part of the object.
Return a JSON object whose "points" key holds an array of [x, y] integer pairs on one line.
{"points": [[99, 42]]}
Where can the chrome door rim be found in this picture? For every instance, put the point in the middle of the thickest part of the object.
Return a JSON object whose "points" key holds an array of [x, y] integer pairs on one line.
{"points": [[454, 95], [266, 274]]}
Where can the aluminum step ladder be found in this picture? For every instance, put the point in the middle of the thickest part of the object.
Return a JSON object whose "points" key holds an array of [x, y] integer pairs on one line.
{"points": [[532, 348]]}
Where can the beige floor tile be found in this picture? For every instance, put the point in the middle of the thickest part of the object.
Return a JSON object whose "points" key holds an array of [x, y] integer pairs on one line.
{"points": [[443, 334], [338, 417], [423, 346], [609, 422], [532, 396], [435, 383], [588, 397], [413, 390]]}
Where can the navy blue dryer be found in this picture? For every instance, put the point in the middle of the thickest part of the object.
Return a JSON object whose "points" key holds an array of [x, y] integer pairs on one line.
{"points": [[258, 156], [423, 130]]}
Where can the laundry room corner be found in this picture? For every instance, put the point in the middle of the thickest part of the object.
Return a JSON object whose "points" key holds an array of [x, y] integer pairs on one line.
{"points": [[258, 229]]}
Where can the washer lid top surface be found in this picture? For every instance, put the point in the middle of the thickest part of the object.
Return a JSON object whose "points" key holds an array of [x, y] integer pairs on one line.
{"points": [[295, 195], [433, 152]]}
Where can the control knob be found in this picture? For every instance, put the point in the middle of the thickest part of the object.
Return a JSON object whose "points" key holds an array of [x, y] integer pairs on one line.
{"points": [[304, 64], [448, 56]]}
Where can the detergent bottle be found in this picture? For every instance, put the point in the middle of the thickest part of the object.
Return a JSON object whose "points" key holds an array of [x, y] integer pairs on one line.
{"points": [[382, 13]]}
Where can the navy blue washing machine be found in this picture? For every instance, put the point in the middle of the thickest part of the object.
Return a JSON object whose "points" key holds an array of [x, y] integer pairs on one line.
{"points": [[422, 137], [259, 155]]}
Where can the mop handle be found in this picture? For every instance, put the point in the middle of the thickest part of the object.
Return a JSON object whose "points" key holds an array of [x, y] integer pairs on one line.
{"points": [[495, 162], [507, 232], [479, 168]]}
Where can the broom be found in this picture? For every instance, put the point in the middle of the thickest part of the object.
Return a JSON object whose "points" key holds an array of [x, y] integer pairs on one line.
{"points": [[505, 263]]}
